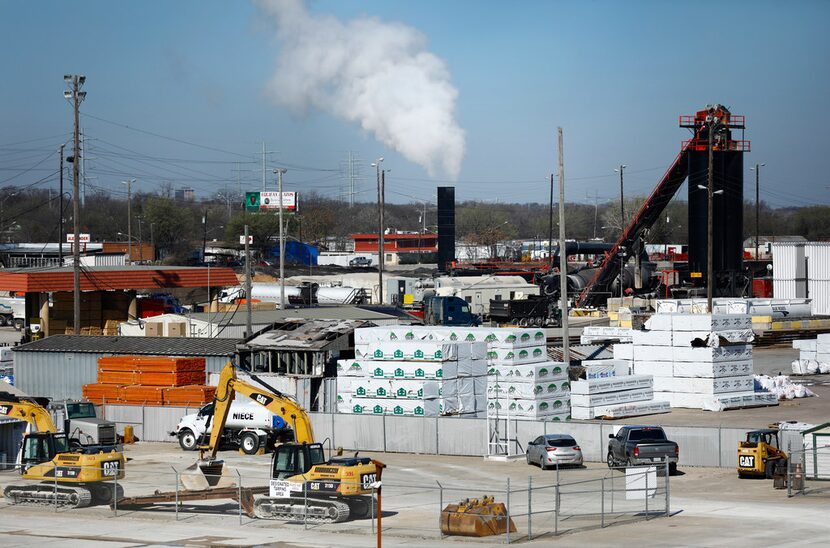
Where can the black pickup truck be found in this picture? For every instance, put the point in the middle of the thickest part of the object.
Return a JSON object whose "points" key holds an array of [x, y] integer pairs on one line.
{"points": [[633, 445]]}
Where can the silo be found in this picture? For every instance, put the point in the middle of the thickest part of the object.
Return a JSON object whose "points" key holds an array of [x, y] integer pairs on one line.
{"points": [[727, 161]]}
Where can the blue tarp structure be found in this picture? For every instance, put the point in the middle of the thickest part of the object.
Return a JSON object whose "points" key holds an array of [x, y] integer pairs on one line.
{"points": [[297, 253]]}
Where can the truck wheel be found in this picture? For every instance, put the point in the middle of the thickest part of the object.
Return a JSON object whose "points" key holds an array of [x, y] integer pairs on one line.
{"points": [[4, 321], [249, 442], [610, 460], [19, 324], [187, 440], [672, 468]]}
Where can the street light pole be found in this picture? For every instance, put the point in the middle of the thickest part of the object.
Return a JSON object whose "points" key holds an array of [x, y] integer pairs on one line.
{"points": [[622, 229], [60, 236], [129, 183], [710, 225], [563, 255], [280, 172]]}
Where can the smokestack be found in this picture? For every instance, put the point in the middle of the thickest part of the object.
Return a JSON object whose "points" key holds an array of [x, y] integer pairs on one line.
{"points": [[446, 227]]}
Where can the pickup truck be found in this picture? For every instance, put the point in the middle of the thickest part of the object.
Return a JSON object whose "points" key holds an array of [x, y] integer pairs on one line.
{"points": [[633, 445]]}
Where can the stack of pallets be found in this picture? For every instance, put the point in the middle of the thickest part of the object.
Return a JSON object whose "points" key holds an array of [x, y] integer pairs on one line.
{"points": [[150, 380]]}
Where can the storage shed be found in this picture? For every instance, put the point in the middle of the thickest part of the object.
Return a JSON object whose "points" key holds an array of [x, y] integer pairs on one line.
{"points": [[57, 367], [817, 451]]}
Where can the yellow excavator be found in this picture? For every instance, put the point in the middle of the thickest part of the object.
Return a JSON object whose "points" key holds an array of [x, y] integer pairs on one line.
{"points": [[71, 476], [760, 453], [335, 489]]}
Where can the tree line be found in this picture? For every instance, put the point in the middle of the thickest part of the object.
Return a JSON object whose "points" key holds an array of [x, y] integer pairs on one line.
{"points": [[178, 227]]}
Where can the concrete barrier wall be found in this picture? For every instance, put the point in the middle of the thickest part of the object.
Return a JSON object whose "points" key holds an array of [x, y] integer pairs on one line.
{"points": [[699, 445]]}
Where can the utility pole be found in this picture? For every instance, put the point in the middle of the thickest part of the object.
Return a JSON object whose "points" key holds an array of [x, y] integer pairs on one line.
{"points": [[265, 153], [563, 254], [204, 235], [380, 178], [129, 183], [550, 225], [280, 172], [76, 97], [60, 235], [757, 169], [248, 320], [710, 234]]}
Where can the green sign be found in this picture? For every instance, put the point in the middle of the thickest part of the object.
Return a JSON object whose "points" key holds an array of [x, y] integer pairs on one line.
{"points": [[252, 201]]}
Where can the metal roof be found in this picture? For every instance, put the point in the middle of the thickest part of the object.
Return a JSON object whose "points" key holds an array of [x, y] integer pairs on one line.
{"points": [[305, 335], [101, 278], [153, 346], [238, 317]]}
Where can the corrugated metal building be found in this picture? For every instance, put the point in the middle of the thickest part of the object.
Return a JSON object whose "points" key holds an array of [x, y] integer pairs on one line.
{"points": [[802, 270], [11, 435], [231, 325], [57, 367], [818, 276]]}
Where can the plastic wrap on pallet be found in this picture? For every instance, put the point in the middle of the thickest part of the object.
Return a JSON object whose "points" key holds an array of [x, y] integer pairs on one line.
{"points": [[526, 390], [399, 369], [653, 353], [504, 356], [623, 351], [713, 354], [420, 350], [549, 370], [654, 368], [601, 369], [711, 322], [612, 384], [696, 385], [652, 338], [505, 337], [713, 369], [611, 398], [659, 322], [808, 344], [531, 408], [465, 368], [622, 410], [367, 387], [712, 338], [718, 402]]}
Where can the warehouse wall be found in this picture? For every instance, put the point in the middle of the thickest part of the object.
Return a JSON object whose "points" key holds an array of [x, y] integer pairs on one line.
{"points": [[699, 445]]}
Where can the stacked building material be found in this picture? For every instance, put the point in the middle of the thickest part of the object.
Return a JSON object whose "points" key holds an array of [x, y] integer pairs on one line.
{"points": [[813, 356], [409, 371], [615, 397], [699, 361], [150, 380], [599, 333]]}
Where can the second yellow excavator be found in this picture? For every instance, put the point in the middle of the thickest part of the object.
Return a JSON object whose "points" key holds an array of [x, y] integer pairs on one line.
{"points": [[70, 476], [304, 484]]}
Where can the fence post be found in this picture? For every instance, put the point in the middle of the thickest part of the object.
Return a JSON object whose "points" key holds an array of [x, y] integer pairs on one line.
{"points": [[115, 496], [556, 509], [372, 507], [720, 448], [383, 417], [529, 507], [508, 510], [790, 476], [668, 488], [176, 475], [602, 503], [440, 507], [305, 505], [239, 494], [647, 470], [55, 497]]}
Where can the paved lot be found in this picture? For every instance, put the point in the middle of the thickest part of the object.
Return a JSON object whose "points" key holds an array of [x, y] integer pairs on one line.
{"points": [[711, 508]]}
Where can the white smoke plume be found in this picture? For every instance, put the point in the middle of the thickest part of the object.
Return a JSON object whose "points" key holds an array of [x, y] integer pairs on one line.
{"points": [[368, 71]]}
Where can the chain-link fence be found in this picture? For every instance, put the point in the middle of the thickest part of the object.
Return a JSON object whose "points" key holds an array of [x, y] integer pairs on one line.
{"points": [[564, 501], [808, 471]]}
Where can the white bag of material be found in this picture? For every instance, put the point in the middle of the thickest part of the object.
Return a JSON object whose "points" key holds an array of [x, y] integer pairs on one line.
{"points": [[823, 367], [812, 367], [799, 367]]}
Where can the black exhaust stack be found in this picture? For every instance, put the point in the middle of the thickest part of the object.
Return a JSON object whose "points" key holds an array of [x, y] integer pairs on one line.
{"points": [[446, 227]]}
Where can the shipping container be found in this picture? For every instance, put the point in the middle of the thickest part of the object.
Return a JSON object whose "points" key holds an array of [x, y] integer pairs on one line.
{"points": [[789, 270], [818, 276]]}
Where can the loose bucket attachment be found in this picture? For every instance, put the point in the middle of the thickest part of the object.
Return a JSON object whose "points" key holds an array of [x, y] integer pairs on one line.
{"points": [[476, 518], [206, 474]]}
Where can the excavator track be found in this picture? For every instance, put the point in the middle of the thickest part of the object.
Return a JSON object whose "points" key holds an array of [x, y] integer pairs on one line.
{"points": [[294, 509], [47, 494]]}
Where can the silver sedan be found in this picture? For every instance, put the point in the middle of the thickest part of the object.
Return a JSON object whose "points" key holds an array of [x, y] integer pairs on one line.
{"points": [[552, 450]]}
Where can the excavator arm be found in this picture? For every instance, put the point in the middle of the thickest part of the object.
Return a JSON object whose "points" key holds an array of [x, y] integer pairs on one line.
{"points": [[28, 410], [275, 401]]}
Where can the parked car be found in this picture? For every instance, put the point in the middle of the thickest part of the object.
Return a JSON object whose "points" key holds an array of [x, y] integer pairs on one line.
{"points": [[633, 445], [360, 261], [553, 449]]}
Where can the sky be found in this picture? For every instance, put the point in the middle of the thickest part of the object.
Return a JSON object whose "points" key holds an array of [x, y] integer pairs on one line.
{"points": [[466, 93]]}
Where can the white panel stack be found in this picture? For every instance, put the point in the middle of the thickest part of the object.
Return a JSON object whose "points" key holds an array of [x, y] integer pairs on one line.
{"points": [[615, 397], [700, 361], [814, 356], [403, 370]]}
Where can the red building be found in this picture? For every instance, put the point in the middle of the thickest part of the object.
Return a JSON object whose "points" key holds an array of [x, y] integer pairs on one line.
{"points": [[399, 248]]}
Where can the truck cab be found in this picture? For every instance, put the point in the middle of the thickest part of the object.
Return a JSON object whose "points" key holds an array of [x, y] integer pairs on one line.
{"points": [[448, 310]]}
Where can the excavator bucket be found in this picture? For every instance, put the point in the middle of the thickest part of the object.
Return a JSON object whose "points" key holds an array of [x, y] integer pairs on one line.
{"points": [[476, 518], [206, 474]]}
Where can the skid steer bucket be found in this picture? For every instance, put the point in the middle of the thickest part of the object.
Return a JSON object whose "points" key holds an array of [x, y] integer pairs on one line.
{"points": [[476, 518], [206, 474]]}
